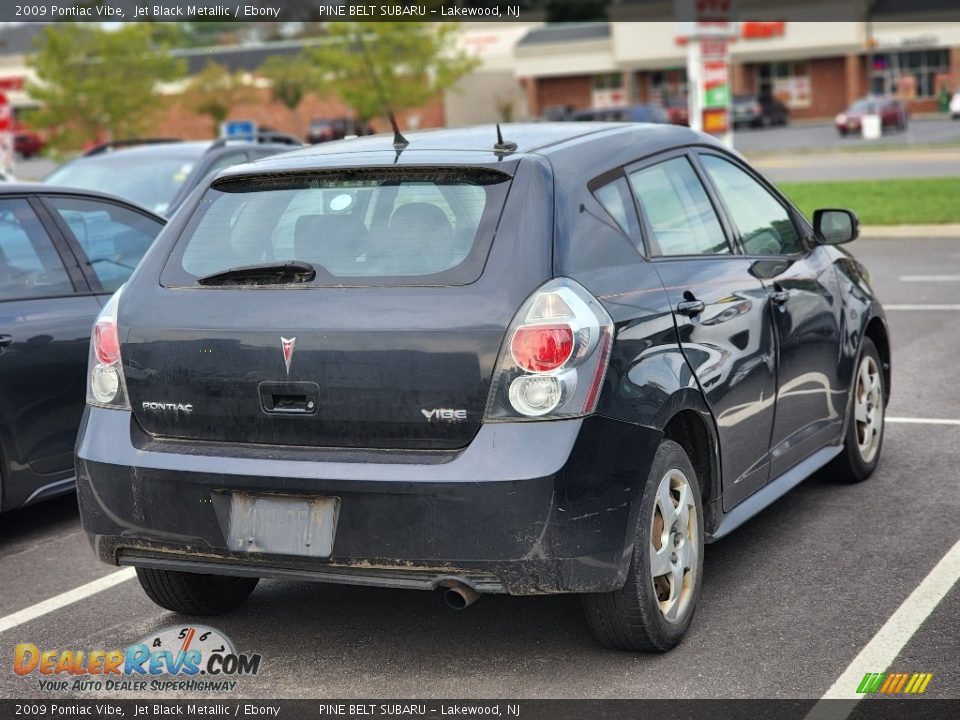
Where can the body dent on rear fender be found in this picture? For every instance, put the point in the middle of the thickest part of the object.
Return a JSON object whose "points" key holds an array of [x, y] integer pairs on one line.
{"points": [[649, 381]]}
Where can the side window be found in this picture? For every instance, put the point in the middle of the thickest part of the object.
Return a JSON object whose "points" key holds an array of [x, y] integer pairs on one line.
{"points": [[616, 200], [678, 209], [29, 263], [112, 237], [765, 225]]}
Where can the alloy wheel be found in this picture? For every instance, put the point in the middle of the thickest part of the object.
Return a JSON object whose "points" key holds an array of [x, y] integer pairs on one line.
{"points": [[868, 408], [674, 545]]}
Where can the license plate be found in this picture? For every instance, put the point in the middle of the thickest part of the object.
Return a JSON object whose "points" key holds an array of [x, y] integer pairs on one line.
{"points": [[283, 524]]}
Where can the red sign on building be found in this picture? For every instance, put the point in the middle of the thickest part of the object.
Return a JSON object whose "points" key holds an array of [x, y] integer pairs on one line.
{"points": [[6, 133], [758, 30], [11, 83]]}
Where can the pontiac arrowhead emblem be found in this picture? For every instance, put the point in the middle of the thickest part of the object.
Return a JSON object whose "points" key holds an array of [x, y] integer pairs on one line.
{"points": [[287, 346]]}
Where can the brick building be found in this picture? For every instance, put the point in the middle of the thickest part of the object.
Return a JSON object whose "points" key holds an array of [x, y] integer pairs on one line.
{"points": [[816, 68]]}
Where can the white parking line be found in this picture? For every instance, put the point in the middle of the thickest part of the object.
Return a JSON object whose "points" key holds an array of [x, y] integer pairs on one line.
{"points": [[922, 421], [886, 645], [921, 308], [66, 598], [929, 278]]}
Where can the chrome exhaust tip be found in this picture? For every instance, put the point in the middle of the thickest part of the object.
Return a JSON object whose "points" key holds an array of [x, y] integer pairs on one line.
{"points": [[458, 596]]}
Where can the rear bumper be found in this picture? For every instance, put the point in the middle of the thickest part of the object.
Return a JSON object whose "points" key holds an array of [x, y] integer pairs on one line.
{"points": [[526, 508]]}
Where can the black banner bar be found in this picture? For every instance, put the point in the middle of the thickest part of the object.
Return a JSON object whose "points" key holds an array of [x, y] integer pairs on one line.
{"points": [[463, 10], [868, 709]]}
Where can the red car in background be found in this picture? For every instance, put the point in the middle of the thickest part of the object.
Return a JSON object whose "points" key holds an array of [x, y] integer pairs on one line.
{"points": [[27, 143], [893, 114]]}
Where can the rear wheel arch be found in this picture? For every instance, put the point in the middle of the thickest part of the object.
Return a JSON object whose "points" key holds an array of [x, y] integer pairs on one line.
{"points": [[693, 430], [876, 330]]}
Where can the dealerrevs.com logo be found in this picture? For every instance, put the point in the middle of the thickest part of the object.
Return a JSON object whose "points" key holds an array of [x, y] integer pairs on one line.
{"points": [[177, 658]]}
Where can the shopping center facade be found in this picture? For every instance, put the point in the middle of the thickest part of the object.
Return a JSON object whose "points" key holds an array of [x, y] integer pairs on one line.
{"points": [[816, 68]]}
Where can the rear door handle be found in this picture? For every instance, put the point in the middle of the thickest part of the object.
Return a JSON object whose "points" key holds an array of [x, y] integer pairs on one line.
{"points": [[5, 340], [691, 308], [779, 297]]}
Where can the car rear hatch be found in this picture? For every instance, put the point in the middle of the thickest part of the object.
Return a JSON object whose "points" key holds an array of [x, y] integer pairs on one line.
{"points": [[368, 318]]}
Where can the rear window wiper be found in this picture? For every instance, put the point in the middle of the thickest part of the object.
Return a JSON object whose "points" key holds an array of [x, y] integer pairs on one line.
{"points": [[262, 274]]}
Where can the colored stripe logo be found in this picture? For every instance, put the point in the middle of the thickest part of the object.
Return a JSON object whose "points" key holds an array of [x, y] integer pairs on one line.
{"points": [[894, 683]]}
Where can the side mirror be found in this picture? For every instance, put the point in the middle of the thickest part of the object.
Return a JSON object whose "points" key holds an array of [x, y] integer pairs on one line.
{"points": [[835, 226]]}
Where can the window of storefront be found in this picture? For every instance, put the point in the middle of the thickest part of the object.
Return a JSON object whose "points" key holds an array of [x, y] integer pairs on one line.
{"points": [[909, 74], [607, 90], [789, 82], [668, 86]]}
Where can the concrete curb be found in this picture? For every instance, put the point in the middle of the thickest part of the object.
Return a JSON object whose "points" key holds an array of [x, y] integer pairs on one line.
{"points": [[909, 231]]}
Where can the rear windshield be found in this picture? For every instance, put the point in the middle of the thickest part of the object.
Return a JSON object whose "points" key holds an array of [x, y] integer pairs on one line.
{"points": [[407, 227]]}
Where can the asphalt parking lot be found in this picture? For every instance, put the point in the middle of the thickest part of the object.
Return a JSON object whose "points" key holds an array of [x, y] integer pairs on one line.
{"points": [[929, 148], [926, 162], [789, 599], [823, 136]]}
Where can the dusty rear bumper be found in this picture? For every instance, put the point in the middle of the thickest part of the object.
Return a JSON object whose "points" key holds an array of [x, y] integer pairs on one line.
{"points": [[526, 508]]}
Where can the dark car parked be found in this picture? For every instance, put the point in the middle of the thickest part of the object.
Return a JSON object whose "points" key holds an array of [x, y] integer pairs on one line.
{"points": [[160, 174], [678, 111], [328, 129], [762, 111], [62, 254], [893, 114], [556, 362], [629, 113]]}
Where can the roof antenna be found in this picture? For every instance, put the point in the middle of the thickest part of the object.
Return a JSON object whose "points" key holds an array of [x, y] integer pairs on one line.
{"points": [[399, 141], [502, 146]]}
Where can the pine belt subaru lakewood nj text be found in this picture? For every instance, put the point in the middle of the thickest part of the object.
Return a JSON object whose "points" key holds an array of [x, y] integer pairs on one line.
{"points": [[543, 358]]}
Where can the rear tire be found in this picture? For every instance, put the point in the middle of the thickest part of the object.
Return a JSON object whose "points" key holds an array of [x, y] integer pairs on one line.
{"points": [[865, 421], [193, 593], [652, 613]]}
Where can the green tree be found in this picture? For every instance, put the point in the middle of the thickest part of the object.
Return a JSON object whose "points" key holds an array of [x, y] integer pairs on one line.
{"points": [[400, 64], [215, 91], [291, 78], [95, 83]]}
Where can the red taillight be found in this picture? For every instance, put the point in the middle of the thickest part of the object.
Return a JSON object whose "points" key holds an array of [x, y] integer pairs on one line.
{"points": [[106, 342], [542, 348], [554, 357]]}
